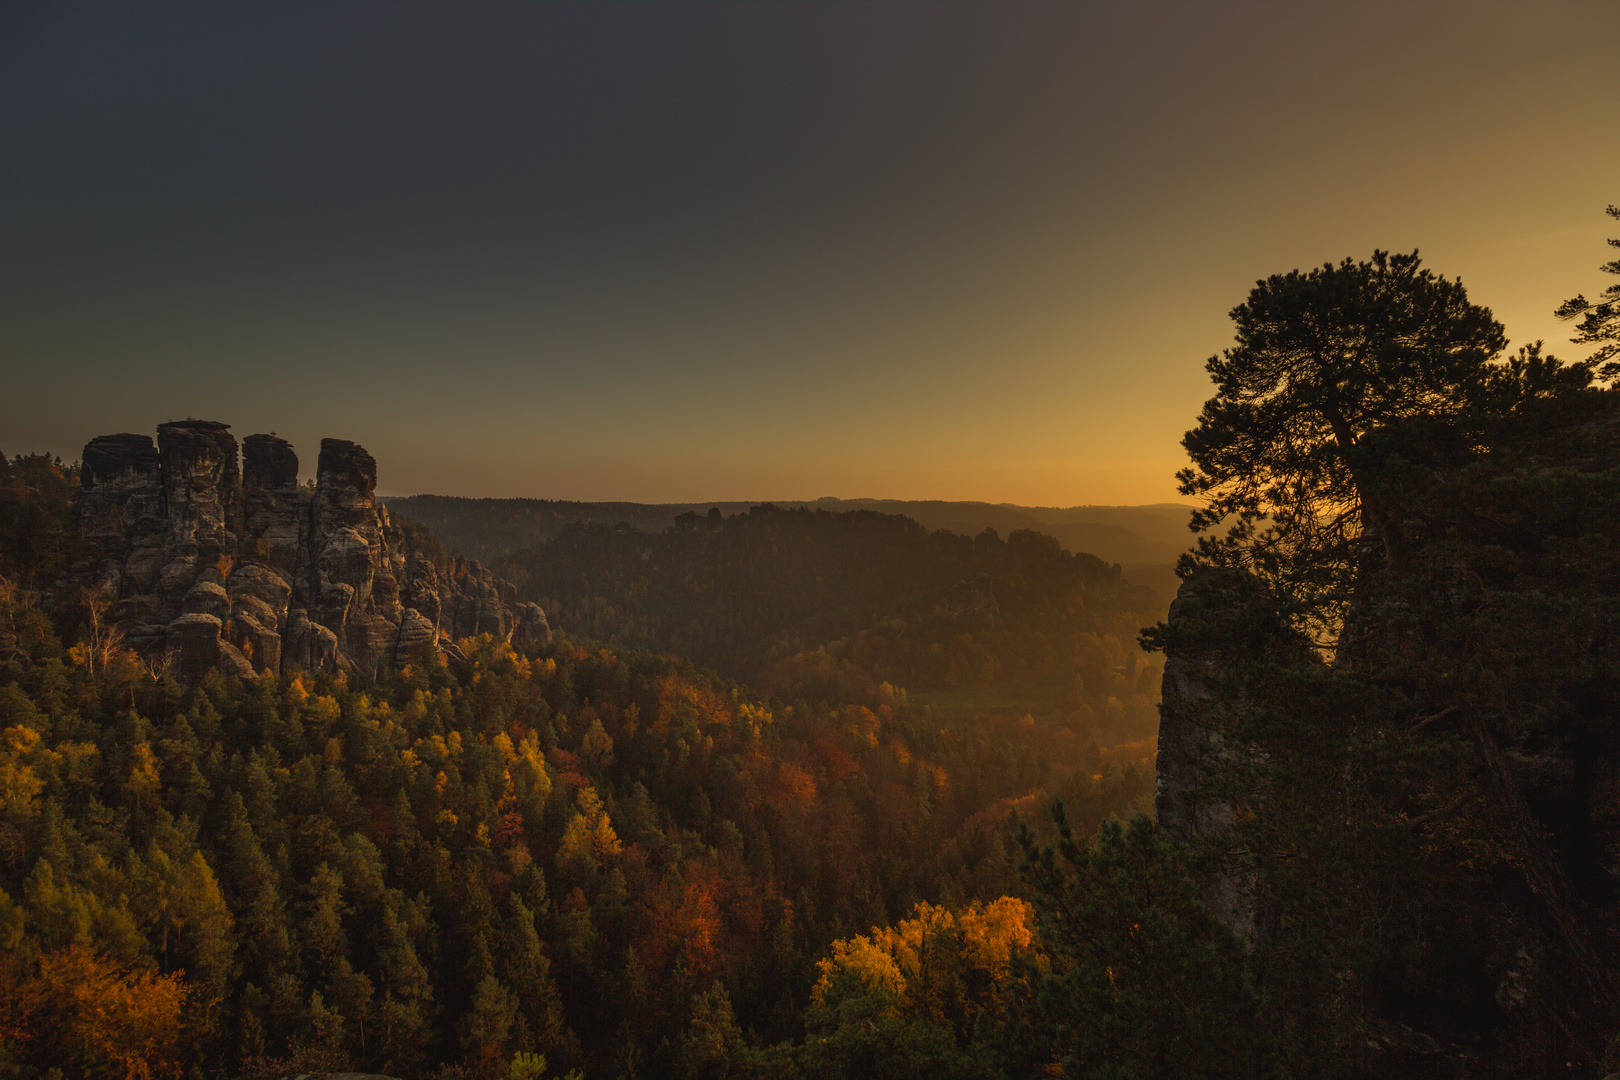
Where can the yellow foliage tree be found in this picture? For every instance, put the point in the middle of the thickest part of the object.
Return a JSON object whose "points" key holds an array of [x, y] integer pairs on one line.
{"points": [[938, 965], [596, 748], [19, 783], [589, 839], [860, 968]]}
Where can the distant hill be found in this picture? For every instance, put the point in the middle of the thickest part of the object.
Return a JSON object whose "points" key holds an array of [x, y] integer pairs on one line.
{"points": [[1124, 534], [1144, 540]]}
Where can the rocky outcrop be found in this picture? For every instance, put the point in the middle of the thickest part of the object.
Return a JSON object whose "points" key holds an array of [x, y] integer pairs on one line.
{"points": [[1217, 615], [123, 524], [1187, 740], [230, 564], [272, 513]]}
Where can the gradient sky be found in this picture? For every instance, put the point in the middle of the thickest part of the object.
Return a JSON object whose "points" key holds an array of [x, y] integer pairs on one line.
{"points": [[747, 251]]}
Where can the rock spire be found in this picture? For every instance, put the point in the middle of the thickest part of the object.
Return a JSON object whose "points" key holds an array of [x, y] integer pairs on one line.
{"points": [[217, 560]]}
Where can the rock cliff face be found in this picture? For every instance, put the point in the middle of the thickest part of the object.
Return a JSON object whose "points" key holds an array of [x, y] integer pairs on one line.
{"points": [[1186, 743], [1198, 700], [221, 562]]}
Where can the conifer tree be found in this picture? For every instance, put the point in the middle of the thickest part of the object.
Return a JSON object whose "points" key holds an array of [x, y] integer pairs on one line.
{"points": [[1600, 321], [1323, 358]]}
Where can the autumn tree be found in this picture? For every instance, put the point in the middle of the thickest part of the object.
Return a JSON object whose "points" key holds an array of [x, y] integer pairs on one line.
{"points": [[74, 1008], [921, 997]]}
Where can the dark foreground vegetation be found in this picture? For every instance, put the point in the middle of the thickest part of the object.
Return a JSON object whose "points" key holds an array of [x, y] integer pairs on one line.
{"points": [[1393, 686], [1389, 816]]}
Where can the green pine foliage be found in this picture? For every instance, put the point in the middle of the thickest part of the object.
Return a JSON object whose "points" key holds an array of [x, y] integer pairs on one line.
{"points": [[1143, 982], [36, 518]]}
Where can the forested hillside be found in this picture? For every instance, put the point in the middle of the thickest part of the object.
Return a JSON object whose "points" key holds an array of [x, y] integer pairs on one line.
{"points": [[828, 606], [602, 856]]}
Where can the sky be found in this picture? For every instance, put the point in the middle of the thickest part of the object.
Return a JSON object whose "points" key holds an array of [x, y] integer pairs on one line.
{"points": [[729, 251]]}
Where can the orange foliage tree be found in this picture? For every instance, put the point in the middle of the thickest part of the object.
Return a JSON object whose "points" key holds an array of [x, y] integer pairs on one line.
{"points": [[78, 1009]]}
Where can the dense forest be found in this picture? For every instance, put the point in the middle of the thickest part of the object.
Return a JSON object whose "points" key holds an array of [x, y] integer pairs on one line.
{"points": [[1387, 838], [604, 857]]}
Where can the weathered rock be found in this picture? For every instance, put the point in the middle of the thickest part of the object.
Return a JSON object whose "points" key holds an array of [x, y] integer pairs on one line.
{"points": [[417, 641], [369, 638], [1190, 716], [232, 662], [422, 588], [272, 509], [1184, 743], [201, 487], [264, 585], [120, 511], [265, 643], [175, 579], [256, 609], [111, 461], [268, 464], [208, 598], [478, 609], [195, 641], [309, 645], [320, 578], [349, 530], [533, 628], [1218, 618]]}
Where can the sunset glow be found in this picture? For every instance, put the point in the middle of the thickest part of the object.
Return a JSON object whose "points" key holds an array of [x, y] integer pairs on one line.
{"points": [[752, 252]]}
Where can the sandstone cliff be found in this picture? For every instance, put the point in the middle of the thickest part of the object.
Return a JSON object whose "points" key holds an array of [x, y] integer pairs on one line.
{"points": [[1196, 703], [216, 559]]}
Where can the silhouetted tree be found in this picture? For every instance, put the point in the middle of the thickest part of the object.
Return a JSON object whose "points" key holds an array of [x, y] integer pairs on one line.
{"points": [[1600, 321], [1321, 359]]}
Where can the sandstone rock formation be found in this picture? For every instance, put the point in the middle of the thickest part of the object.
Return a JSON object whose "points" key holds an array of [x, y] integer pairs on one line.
{"points": [[1186, 743], [1199, 698], [231, 564]]}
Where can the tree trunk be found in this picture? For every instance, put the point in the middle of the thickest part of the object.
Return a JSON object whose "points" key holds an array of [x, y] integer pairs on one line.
{"points": [[1376, 522]]}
